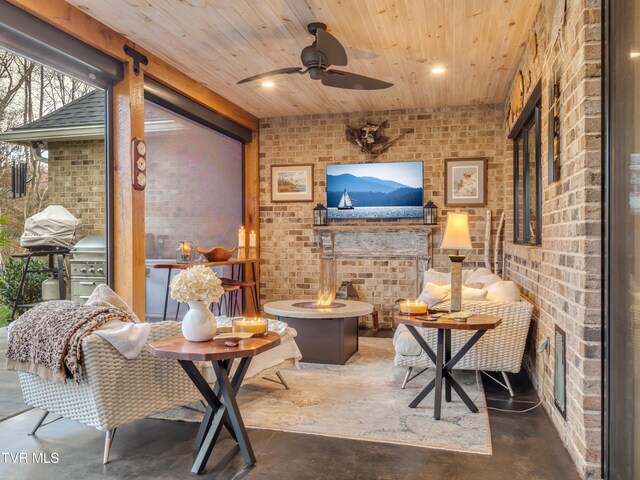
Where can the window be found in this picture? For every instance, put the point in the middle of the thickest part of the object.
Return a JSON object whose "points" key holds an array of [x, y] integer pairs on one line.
{"points": [[527, 198]]}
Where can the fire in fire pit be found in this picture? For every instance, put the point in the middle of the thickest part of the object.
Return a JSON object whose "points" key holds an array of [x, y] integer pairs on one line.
{"points": [[317, 306], [325, 300]]}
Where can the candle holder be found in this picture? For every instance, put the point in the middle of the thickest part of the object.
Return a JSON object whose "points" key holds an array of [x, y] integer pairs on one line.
{"points": [[253, 252], [411, 306], [242, 253], [258, 326], [185, 253]]}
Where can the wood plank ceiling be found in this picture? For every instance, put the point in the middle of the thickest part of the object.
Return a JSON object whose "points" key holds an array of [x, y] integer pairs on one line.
{"points": [[219, 42]]}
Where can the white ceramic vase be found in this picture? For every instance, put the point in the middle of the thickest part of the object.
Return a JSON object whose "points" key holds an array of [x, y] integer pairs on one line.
{"points": [[199, 324]]}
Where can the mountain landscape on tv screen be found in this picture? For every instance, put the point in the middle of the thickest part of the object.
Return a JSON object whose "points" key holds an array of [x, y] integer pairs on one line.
{"points": [[371, 192]]}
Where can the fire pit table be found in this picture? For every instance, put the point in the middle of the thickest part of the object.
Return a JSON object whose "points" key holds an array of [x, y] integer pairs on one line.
{"points": [[326, 334]]}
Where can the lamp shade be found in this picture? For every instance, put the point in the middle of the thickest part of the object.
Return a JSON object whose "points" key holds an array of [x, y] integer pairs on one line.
{"points": [[456, 234]]}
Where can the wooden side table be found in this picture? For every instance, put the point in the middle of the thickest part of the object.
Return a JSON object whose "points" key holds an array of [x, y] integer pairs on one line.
{"points": [[442, 359], [222, 407]]}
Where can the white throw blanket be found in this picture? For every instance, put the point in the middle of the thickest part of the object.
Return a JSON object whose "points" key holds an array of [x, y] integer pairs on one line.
{"points": [[128, 338]]}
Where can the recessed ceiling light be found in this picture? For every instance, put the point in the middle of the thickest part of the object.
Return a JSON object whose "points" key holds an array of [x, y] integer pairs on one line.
{"points": [[438, 70], [634, 54], [268, 84]]}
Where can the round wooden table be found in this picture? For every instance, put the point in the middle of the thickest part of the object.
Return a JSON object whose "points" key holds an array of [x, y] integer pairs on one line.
{"points": [[442, 359], [220, 411]]}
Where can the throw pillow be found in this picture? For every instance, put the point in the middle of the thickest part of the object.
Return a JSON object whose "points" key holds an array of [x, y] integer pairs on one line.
{"points": [[504, 291], [437, 278], [444, 278], [103, 296], [469, 293], [433, 294], [475, 276], [489, 280]]}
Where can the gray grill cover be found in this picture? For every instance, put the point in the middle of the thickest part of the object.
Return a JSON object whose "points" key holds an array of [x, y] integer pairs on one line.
{"points": [[55, 226]]}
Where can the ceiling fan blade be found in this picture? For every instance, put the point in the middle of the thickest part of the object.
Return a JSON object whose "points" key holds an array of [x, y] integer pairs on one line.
{"points": [[329, 46], [352, 81], [280, 71]]}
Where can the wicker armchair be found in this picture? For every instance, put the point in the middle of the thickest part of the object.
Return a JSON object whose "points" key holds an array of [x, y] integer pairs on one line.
{"points": [[113, 390], [499, 350]]}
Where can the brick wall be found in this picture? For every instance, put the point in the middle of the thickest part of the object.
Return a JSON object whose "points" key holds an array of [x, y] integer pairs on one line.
{"points": [[77, 182], [289, 249], [562, 277]]}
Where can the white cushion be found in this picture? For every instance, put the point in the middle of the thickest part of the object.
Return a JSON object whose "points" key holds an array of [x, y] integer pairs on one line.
{"points": [[466, 273], [504, 291], [404, 342], [444, 278], [489, 280], [470, 293], [103, 296], [433, 294], [476, 275], [437, 278]]}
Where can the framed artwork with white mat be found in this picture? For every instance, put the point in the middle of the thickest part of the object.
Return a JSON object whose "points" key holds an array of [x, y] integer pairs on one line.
{"points": [[292, 183], [465, 182]]}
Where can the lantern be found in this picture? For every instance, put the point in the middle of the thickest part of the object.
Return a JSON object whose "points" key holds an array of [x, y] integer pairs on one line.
{"points": [[320, 215], [430, 214]]}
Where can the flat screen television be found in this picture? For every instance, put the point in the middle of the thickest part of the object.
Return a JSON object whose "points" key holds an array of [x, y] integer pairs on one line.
{"points": [[375, 190]]}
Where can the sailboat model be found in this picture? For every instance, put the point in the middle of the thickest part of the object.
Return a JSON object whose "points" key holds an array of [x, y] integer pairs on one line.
{"points": [[345, 202]]}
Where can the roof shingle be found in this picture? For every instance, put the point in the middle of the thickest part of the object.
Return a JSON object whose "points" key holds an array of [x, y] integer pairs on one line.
{"points": [[86, 110]]}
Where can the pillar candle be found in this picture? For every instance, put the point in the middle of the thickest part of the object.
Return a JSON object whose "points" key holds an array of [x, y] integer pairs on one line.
{"points": [[252, 239], [256, 326], [413, 307], [241, 237]]}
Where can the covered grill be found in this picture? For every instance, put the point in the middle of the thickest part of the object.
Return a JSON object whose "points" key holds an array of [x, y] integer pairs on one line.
{"points": [[54, 227], [88, 267]]}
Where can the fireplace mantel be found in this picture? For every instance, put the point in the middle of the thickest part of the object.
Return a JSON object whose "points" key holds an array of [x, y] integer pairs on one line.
{"points": [[375, 227], [380, 241]]}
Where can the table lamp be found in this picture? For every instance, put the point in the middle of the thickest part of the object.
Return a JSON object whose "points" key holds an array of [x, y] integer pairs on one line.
{"points": [[456, 237]]}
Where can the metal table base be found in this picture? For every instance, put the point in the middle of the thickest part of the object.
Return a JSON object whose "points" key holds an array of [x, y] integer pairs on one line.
{"points": [[444, 365], [222, 410]]}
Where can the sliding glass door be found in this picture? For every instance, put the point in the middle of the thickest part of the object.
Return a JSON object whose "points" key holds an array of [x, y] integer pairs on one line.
{"points": [[194, 194], [622, 299], [55, 155]]}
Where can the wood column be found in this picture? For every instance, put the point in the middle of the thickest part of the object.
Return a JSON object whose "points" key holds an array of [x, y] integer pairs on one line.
{"points": [[128, 210], [251, 204]]}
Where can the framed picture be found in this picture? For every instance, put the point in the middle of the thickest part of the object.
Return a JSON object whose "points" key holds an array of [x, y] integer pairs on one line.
{"points": [[465, 182], [292, 183]]}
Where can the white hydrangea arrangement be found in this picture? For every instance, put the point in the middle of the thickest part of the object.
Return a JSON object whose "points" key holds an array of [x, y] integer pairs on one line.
{"points": [[198, 283]]}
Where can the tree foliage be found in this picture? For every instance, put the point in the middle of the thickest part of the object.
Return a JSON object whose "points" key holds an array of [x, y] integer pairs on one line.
{"points": [[10, 276], [28, 91]]}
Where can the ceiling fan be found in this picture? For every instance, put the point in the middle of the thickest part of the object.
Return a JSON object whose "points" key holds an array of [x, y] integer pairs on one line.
{"points": [[324, 52]]}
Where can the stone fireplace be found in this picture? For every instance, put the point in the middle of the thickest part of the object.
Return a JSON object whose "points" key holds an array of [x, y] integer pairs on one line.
{"points": [[406, 244]]}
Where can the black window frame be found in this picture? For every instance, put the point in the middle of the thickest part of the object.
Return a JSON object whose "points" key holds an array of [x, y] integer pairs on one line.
{"points": [[531, 114]]}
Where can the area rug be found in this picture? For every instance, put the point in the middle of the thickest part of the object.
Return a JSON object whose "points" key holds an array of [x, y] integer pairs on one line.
{"points": [[363, 401]]}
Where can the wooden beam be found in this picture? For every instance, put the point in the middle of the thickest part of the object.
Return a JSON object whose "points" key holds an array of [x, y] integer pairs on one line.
{"points": [[89, 30], [128, 107], [251, 203], [128, 221]]}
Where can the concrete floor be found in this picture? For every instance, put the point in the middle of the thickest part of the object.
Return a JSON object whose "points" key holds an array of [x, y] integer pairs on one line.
{"points": [[524, 446], [10, 395]]}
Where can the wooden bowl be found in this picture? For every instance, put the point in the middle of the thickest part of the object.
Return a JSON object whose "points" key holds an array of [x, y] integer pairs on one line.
{"points": [[217, 254]]}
